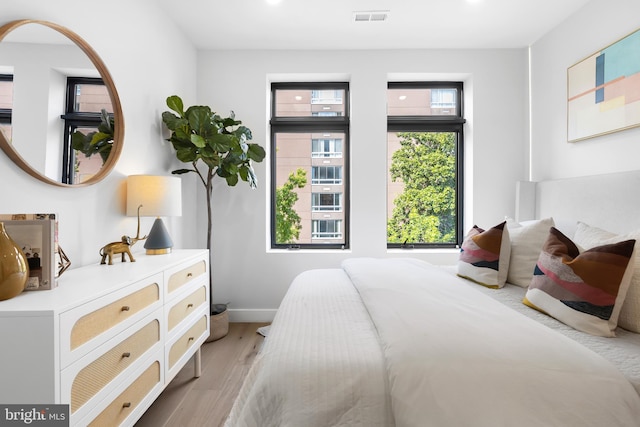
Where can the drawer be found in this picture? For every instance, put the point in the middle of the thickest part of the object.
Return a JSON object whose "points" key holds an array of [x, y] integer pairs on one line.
{"points": [[186, 306], [127, 402], [188, 341], [185, 275], [91, 324], [100, 372]]}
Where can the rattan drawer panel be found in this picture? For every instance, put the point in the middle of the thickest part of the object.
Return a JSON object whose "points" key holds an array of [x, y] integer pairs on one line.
{"points": [[185, 307], [95, 376], [184, 276], [98, 321], [129, 399], [187, 340]]}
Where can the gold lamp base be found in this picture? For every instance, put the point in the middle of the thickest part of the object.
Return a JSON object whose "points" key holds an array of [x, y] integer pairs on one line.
{"points": [[158, 251]]}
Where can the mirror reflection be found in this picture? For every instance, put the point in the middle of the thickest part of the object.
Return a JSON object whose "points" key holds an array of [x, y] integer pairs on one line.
{"points": [[57, 109]]}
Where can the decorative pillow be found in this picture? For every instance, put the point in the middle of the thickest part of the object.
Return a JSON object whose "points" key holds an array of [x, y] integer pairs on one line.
{"points": [[584, 290], [588, 237], [527, 239], [484, 256]]}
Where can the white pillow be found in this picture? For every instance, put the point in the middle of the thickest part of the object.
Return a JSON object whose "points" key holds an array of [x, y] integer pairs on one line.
{"points": [[589, 237], [527, 239]]}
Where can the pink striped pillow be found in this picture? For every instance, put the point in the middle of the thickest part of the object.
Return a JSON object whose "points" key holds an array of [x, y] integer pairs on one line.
{"points": [[584, 290], [484, 256]]}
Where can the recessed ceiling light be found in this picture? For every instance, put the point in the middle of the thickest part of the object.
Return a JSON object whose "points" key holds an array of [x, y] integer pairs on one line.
{"points": [[402, 97], [298, 98]]}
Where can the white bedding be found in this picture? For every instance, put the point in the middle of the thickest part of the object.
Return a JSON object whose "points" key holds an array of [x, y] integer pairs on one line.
{"points": [[623, 351], [415, 346], [321, 364]]}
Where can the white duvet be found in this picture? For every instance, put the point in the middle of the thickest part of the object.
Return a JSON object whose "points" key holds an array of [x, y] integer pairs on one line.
{"points": [[413, 346]]}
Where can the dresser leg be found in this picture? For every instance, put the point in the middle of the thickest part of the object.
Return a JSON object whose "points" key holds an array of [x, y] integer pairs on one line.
{"points": [[197, 363]]}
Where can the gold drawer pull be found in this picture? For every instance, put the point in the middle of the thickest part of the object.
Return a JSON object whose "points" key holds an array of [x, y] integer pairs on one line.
{"points": [[125, 308], [191, 338], [189, 305], [127, 354], [189, 274], [126, 405]]}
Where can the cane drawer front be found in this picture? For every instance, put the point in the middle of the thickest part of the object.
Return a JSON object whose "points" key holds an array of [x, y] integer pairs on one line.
{"points": [[97, 374], [107, 316], [187, 341], [126, 403], [185, 275], [186, 306]]}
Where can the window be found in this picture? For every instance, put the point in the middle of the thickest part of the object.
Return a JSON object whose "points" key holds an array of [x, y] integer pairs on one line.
{"points": [[425, 153], [326, 175], [309, 169], [327, 229], [86, 98], [6, 104], [326, 148], [323, 202]]}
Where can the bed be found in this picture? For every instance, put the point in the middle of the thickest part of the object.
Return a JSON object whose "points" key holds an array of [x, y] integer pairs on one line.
{"points": [[401, 342]]}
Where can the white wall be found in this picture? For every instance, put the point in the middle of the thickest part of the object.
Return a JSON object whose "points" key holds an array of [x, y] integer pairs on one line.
{"points": [[594, 27], [148, 60], [254, 278]]}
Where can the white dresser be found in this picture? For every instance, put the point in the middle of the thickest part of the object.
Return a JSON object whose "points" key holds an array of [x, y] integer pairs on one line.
{"points": [[108, 339]]}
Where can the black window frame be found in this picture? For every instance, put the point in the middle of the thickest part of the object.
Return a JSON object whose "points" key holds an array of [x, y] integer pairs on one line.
{"points": [[436, 123], [74, 119], [308, 124], [6, 113]]}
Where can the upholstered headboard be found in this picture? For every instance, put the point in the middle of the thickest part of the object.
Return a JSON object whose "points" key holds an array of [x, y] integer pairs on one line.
{"points": [[610, 201]]}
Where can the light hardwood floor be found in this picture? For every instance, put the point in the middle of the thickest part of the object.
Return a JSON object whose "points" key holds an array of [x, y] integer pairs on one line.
{"points": [[206, 401]]}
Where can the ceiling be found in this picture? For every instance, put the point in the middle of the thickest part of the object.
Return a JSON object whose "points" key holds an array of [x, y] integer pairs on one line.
{"points": [[329, 24]]}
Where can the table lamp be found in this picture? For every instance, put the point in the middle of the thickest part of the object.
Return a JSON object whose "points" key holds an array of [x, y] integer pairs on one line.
{"points": [[149, 195]]}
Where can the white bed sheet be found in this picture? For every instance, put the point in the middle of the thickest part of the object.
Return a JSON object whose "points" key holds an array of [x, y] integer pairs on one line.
{"points": [[623, 351], [325, 363], [456, 357], [321, 364]]}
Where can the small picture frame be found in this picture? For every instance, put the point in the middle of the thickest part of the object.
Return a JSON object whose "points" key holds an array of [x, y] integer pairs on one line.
{"points": [[37, 239]]}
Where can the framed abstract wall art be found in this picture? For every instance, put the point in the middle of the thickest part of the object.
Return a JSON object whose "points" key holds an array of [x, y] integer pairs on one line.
{"points": [[603, 90]]}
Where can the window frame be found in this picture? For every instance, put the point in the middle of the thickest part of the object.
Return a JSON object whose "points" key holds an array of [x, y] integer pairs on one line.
{"points": [[74, 119], [6, 113], [310, 124], [436, 123]]}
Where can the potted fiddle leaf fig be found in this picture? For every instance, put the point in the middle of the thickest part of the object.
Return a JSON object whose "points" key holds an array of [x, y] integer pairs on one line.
{"points": [[213, 146]]}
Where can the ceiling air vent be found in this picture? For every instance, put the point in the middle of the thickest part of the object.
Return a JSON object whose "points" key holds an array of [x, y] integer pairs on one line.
{"points": [[371, 16]]}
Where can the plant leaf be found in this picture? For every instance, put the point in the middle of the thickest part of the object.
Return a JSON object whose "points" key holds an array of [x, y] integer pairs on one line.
{"points": [[198, 141], [232, 180], [256, 153], [172, 121], [200, 120], [181, 171], [175, 103], [186, 155]]}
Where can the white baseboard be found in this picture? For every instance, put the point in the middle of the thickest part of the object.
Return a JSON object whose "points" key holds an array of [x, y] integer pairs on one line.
{"points": [[251, 315]]}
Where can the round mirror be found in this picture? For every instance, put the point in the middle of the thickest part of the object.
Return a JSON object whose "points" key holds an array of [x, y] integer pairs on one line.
{"points": [[60, 115]]}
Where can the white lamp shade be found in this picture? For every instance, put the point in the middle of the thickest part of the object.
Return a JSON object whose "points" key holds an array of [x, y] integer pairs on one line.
{"points": [[158, 195]]}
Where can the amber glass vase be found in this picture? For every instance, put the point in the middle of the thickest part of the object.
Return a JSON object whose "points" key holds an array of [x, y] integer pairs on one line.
{"points": [[14, 270]]}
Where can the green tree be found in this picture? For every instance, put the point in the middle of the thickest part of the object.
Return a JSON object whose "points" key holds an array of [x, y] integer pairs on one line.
{"points": [[425, 211], [288, 222]]}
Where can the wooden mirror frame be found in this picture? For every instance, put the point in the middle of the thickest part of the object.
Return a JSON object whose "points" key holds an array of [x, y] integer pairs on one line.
{"points": [[118, 136]]}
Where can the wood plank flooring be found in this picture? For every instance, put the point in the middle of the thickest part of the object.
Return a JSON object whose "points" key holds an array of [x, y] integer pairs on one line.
{"points": [[206, 401]]}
